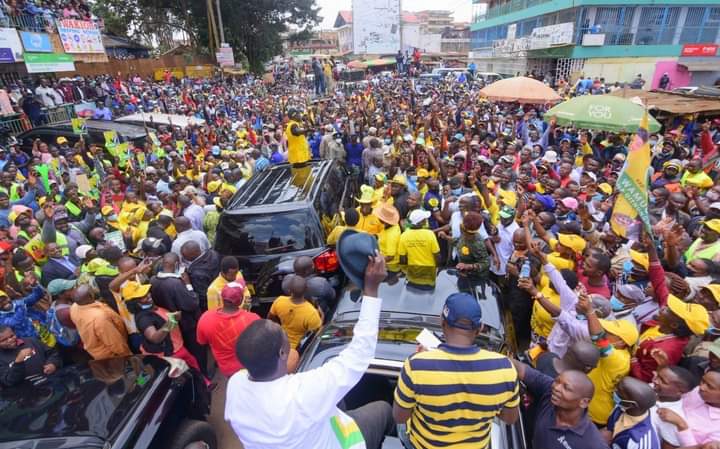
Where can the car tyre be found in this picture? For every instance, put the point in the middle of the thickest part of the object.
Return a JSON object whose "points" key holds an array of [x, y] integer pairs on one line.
{"points": [[191, 431]]}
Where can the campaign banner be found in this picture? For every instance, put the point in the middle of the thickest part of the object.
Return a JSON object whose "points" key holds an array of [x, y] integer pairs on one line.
{"points": [[49, 62], [699, 50], [6, 55], [9, 39], [36, 42], [80, 36]]}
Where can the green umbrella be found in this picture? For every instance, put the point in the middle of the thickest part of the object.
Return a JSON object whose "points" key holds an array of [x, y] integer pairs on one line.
{"points": [[601, 112]]}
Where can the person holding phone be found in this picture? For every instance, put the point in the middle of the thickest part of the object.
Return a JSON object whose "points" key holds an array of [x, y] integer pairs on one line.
{"points": [[21, 358]]}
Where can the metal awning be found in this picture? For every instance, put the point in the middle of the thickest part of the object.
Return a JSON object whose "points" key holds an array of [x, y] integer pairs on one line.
{"points": [[700, 64], [673, 103]]}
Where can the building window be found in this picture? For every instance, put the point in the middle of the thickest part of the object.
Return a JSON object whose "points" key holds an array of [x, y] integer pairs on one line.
{"points": [[701, 25], [657, 26], [615, 23]]}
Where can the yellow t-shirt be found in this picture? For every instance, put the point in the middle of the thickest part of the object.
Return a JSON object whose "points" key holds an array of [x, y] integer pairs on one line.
{"points": [[214, 300], [388, 241], [298, 147], [296, 319], [420, 247], [541, 322], [369, 223], [608, 373]]}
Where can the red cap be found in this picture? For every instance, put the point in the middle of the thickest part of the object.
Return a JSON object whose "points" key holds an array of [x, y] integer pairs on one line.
{"points": [[5, 247], [233, 292]]}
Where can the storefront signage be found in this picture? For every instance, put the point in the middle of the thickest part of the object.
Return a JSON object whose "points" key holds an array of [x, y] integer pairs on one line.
{"points": [[49, 62], [36, 42], [80, 36], [704, 50], [9, 39], [552, 36]]}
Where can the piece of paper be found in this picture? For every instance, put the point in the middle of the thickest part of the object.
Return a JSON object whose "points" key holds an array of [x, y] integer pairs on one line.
{"points": [[427, 339], [116, 239], [83, 183]]}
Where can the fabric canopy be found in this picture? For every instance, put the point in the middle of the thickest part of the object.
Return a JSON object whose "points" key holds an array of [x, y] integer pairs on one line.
{"points": [[601, 112], [520, 89]]}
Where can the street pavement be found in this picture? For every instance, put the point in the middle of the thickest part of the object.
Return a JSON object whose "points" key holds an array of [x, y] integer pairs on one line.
{"points": [[225, 436]]}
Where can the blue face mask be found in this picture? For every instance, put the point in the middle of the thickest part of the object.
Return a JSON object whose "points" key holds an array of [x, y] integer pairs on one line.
{"points": [[457, 192], [623, 404], [146, 306], [581, 317], [598, 197], [652, 199], [616, 304], [388, 141], [627, 267]]}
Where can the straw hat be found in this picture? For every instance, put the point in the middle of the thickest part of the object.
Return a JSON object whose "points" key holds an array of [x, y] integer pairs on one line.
{"points": [[387, 214]]}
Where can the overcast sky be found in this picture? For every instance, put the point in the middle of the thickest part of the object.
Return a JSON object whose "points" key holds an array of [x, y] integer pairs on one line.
{"points": [[461, 8]]}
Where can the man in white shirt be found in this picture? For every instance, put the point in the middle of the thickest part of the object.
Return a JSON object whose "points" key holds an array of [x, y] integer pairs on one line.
{"points": [[269, 408], [670, 383], [49, 96], [185, 233], [504, 239]]}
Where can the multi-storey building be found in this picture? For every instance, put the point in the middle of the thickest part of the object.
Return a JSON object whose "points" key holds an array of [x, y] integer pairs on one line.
{"points": [[612, 39]]}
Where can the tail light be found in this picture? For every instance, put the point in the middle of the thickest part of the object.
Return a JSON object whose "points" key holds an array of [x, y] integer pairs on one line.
{"points": [[326, 262]]}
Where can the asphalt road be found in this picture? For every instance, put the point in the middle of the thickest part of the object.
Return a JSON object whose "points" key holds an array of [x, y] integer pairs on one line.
{"points": [[226, 437]]}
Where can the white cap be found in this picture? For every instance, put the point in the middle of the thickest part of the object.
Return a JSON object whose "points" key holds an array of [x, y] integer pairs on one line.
{"points": [[82, 250], [189, 190], [715, 205], [591, 175], [550, 156], [418, 216], [372, 130]]}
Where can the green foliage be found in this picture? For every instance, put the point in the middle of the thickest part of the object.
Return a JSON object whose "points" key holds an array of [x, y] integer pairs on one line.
{"points": [[252, 27]]}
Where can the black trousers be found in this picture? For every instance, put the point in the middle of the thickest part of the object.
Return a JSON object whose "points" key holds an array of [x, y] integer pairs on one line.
{"points": [[375, 421]]}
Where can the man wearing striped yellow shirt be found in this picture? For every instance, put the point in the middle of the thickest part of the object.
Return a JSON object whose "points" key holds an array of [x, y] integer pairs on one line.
{"points": [[450, 396]]}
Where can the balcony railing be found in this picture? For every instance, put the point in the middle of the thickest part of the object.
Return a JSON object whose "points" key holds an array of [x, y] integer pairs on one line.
{"points": [[512, 6], [27, 22], [18, 123]]}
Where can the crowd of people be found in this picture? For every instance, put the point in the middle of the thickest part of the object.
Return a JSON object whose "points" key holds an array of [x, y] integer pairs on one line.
{"points": [[47, 9], [617, 334]]}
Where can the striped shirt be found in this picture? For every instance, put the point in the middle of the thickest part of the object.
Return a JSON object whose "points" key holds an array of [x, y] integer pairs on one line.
{"points": [[455, 393]]}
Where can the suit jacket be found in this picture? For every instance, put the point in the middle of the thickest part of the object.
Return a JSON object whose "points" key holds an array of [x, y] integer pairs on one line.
{"points": [[54, 270]]}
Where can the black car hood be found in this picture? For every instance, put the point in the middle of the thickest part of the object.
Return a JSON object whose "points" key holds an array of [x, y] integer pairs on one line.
{"points": [[87, 401]]}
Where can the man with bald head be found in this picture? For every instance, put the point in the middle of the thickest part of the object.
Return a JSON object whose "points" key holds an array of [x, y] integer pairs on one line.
{"points": [[202, 266], [630, 423], [561, 421], [186, 233], [101, 329], [580, 356], [318, 288]]}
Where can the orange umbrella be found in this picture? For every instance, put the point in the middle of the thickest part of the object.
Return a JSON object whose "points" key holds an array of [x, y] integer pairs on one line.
{"points": [[522, 90]]}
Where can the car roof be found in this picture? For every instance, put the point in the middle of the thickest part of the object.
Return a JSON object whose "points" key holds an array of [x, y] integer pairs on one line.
{"points": [[404, 299], [281, 185], [124, 129], [182, 121], [84, 400]]}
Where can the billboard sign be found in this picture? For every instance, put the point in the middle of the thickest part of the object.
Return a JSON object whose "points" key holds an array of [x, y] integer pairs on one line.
{"points": [[49, 62], [552, 36], [376, 26], [80, 36]]}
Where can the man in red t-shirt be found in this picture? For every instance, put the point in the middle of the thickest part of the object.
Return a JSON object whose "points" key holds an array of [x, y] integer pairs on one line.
{"points": [[220, 328], [593, 274]]}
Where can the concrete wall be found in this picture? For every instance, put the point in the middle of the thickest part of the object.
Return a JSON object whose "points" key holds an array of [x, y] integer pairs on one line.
{"points": [[621, 69], [413, 35], [679, 75]]}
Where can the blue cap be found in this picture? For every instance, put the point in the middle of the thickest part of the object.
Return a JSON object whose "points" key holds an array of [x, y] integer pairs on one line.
{"points": [[215, 150], [462, 311], [460, 137]]}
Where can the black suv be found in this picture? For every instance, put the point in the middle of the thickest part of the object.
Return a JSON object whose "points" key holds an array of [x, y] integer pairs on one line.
{"points": [[94, 133], [123, 403], [281, 213]]}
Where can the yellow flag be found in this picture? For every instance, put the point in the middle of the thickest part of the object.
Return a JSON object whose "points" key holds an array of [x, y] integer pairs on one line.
{"points": [[632, 184]]}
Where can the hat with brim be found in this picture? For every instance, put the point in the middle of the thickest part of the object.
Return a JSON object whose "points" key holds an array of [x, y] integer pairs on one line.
{"points": [[715, 348], [387, 214], [57, 286], [695, 316], [418, 216], [572, 241], [507, 212], [366, 195], [713, 225], [217, 202], [623, 329], [134, 290], [353, 250], [714, 290], [641, 259]]}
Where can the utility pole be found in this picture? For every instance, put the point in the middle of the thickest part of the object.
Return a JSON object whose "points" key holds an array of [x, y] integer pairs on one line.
{"points": [[212, 31], [220, 24]]}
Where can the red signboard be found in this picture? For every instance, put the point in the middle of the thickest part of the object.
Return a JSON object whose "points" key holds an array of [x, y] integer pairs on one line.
{"points": [[699, 50]]}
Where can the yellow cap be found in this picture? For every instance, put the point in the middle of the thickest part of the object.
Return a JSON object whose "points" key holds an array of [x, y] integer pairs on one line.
{"points": [[133, 290], [622, 329], [3, 294], [399, 179], [214, 185], [508, 198], [605, 188], [713, 224], [106, 210], [366, 194], [61, 140], [423, 173], [695, 316], [641, 259], [572, 241], [714, 290], [380, 177]]}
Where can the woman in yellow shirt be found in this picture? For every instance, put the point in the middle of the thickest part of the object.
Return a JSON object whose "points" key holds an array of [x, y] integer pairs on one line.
{"points": [[389, 237]]}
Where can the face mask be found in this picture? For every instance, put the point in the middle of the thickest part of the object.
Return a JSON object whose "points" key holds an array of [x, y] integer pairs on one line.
{"points": [[652, 199], [598, 197], [627, 267], [580, 317], [112, 217], [652, 142], [623, 404], [338, 140], [616, 304], [388, 141], [457, 192], [712, 330], [146, 306], [413, 178]]}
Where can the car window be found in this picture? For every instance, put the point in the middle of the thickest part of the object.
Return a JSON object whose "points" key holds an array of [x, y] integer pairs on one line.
{"points": [[269, 234], [328, 203]]}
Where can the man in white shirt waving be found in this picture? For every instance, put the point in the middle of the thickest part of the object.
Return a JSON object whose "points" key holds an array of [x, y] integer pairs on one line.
{"points": [[269, 408]]}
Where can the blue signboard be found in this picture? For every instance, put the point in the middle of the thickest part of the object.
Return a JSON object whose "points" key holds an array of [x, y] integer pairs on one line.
{"points": [[6, 55], [36, 42]]}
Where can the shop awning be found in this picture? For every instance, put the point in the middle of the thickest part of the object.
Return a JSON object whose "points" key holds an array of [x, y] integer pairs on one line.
{"points": [[671, 102], [700, 64]]}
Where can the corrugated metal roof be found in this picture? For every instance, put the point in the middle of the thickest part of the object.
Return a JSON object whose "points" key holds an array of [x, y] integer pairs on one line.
{"points": [[672, 102]]}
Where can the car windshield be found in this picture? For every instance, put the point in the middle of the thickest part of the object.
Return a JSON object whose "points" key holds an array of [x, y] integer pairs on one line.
{"points": [[269, 234]]}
